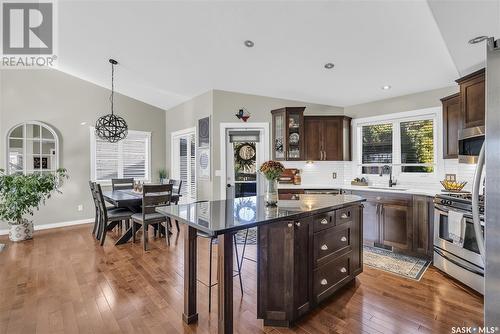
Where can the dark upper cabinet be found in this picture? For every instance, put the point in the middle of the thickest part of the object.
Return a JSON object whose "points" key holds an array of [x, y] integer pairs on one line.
{"points": [[451, 125], [472, 99], [328, 138], [288, 133]]}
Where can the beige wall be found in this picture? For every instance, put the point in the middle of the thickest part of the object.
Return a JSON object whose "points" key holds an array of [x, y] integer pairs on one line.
{"points": [[63, 102], [185, 116], [422, 100]]}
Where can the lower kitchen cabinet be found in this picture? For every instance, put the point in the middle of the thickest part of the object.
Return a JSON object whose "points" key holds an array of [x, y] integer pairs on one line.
{"points": [[401, 222], [303, 262]]}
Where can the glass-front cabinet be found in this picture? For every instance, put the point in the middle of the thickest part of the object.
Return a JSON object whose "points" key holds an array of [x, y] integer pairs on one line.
{"points": [[288, 133]]}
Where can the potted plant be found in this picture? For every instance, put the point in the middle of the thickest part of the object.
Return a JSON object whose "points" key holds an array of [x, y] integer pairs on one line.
{"points": [[20, 194], [163, 175], [272, 171]]}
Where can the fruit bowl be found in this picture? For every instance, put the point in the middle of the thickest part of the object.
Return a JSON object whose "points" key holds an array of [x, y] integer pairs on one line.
{"points": [[453, 186]]}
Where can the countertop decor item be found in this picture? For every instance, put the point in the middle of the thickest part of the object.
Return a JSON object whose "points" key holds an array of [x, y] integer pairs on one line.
{"points": [[110, 127], [359, 182], [272, 170], [162, 173], [20, 194], [453, 186]]}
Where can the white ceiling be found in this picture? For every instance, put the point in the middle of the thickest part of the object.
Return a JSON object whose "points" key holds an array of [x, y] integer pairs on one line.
{"points": [[172, 51], [459, 21]]}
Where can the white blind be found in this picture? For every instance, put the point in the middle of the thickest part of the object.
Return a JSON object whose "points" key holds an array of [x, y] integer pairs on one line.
{"points": [[184, 164], [127, 158]]}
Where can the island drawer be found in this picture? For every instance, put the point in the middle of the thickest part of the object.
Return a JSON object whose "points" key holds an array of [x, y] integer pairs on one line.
{"points": [[331, 276], [331, 242], [323, 221], [345, 215]]}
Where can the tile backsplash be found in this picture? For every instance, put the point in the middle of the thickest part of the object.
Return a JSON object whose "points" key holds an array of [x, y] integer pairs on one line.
{"points": [[320, 173]]}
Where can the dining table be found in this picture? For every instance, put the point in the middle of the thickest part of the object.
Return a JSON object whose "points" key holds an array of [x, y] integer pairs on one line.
{"points": [[132, 200]]}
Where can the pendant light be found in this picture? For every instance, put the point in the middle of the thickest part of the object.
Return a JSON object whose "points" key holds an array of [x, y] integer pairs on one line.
{"points": [[110, 127]]}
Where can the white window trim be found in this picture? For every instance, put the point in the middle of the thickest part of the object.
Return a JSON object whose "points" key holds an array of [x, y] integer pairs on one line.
{"points": [[93, 157], [173, 167], [25, 139], [433, 114]]}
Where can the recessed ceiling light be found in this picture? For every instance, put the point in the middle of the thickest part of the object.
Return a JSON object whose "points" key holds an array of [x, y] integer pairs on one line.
{"points": [[386, 87], [329, 66], [249, 44], [83, 123]]}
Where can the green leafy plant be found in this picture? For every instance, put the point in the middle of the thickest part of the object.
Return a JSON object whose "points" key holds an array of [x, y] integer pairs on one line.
{"points": [[20, 194], [162, 173]]}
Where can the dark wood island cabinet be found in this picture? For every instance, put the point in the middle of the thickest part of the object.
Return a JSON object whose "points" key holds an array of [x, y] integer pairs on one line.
{"points": [[308, 248], [305, 261]]}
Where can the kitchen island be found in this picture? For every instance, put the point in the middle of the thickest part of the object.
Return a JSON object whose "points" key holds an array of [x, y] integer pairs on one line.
{"points": [[307, 249]]}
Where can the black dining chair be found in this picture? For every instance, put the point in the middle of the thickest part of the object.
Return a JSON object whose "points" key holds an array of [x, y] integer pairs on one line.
{"points": [[106, 215], [96, 205], [122, 184], [176, 189], [153, 196]]}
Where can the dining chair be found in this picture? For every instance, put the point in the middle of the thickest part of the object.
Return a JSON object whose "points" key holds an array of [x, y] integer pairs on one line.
{"points": [[122, 184], [106, 215], [153, 196], [96, 205], [176, 189]]}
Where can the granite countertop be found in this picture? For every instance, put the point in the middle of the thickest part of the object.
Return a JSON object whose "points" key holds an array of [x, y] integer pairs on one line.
{"points": [[219, 217], [400, 189]]}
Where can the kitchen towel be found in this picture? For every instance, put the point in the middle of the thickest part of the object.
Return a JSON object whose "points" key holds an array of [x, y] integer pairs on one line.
{"points": [[456, 227]]}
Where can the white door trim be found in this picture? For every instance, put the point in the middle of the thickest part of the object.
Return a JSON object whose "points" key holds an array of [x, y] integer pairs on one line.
{"points": [[264, 127]]}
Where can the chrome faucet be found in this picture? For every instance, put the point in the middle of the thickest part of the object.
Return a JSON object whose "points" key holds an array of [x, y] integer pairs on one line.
{"points": [[388, 168]]}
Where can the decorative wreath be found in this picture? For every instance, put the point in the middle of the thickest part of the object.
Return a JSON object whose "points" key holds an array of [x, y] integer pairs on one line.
{"points": [[244, 154]]}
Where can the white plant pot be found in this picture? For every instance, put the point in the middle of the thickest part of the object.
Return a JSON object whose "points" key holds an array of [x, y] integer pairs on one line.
{"points": [[21, 232]]}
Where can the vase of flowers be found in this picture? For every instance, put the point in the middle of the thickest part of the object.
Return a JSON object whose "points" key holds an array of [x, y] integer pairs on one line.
{"points": [[272, 171]]}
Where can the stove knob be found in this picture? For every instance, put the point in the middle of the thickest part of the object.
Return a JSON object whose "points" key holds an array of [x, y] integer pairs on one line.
{"points": [[443, 201], [449, 202]]}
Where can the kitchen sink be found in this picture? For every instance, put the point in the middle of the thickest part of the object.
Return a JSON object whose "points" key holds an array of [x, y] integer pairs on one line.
{"points": [[388, 188]]}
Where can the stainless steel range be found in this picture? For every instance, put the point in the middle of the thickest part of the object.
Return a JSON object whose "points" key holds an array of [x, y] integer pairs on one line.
{"points": [[456, 250]]}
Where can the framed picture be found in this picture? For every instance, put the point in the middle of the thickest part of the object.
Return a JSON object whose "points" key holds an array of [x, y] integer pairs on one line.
{"points": [[203, 163], [204, 132]]}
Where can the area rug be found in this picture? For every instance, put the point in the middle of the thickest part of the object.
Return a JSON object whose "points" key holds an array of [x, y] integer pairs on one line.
{"points": [[252, 237], [402, 265]]}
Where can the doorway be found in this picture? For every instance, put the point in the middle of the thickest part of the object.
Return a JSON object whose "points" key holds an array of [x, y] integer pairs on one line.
{"points": [[183, 162], [246, 147]]}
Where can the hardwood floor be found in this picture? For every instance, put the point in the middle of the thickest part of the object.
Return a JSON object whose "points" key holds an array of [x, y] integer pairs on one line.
{"points": [[64, 282]]}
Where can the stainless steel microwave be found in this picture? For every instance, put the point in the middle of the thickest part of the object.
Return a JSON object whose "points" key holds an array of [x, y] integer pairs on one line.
{"points": [[470, 141]]}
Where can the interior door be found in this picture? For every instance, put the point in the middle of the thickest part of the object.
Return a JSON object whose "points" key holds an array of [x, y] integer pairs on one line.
{"points": [[243, 156]]}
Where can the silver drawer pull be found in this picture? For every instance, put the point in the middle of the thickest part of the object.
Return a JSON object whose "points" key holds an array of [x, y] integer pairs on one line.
{"points": [[324, 221], [343, 239], [343, 270], [343, 216], [298, 224], [324, 282], [324, 247], [290, 224]]}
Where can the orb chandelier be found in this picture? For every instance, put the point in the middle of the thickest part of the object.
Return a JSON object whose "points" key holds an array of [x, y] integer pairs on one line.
{"points": [[110, 127]]}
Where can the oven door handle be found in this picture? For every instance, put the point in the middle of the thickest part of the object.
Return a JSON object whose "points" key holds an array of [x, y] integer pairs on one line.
{"points": [[455, 262]]}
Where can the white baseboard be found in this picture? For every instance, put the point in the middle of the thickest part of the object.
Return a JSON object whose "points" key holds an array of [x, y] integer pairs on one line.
{"points": [[55, 225]]}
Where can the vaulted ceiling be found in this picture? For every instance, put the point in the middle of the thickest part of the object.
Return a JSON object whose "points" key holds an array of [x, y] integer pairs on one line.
{"points": [[173, 50]]}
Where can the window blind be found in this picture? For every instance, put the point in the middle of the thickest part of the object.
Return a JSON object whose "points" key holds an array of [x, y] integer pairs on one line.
{"points": [[126, 158], [185, 168]]}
